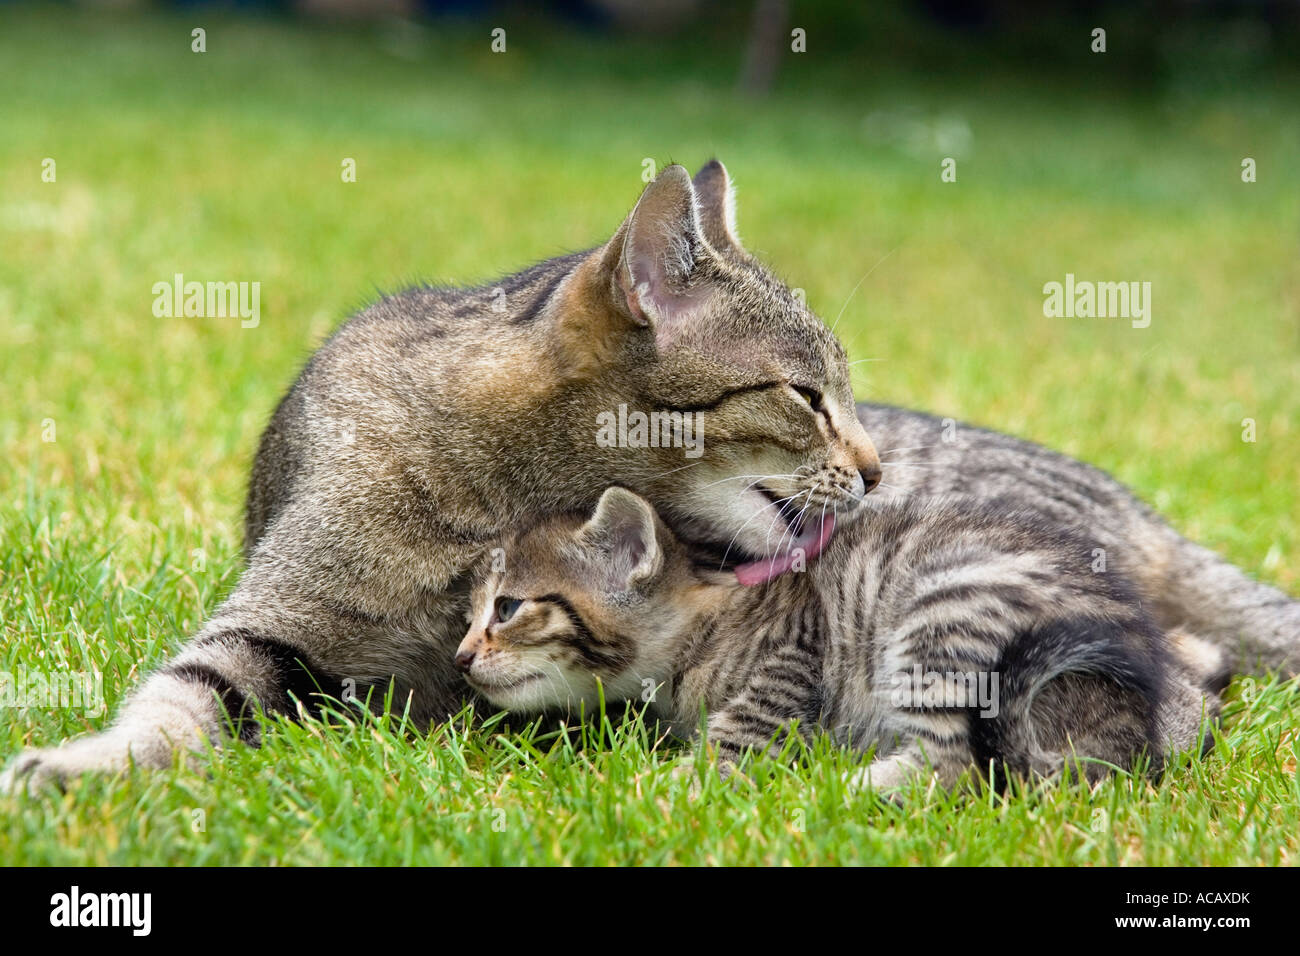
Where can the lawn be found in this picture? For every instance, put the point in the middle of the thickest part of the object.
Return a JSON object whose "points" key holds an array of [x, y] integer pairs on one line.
{"points": [[125, 439]]}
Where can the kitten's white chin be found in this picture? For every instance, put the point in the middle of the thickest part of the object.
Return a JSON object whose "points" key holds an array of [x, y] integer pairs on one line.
{"points": [[514, 693]]}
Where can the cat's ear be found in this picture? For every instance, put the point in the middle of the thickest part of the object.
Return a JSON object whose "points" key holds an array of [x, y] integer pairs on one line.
{"points": [[662, 245], [623, 530], [716, 199]]}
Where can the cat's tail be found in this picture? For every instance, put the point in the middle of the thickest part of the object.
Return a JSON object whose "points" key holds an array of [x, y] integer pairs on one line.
{"points": [[1111, 717], [1255, 625]]}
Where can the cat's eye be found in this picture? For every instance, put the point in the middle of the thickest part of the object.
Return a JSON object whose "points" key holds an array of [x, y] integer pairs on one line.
{"points": [[506, 608], [811, 396]]}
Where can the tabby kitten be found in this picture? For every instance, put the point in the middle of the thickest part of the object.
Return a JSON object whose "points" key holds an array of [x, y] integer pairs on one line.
{"points": [[948, 634], [1184, 584]]}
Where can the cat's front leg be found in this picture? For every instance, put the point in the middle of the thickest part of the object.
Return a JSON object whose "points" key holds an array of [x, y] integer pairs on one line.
{"points": [[252, 656], [175, 710], [738, 731], [210, 690], [781, 690], [729, 737], [752, 725]]}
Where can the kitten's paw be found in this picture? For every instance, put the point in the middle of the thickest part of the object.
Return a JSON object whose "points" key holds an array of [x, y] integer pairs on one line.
{"points": [[887, 777], [688, 770]]}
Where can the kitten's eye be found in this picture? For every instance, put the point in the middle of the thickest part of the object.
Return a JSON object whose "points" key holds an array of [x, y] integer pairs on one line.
{"points": [[506, 608], [811, 396]]}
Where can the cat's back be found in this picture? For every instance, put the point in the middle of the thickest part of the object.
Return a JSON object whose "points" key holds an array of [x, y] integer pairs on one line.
{"points": [[913, 573], [402, 369], [943, 587], [434, 322], [933, 553]]}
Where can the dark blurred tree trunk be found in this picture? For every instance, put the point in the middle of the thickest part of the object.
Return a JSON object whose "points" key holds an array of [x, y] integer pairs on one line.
{"points": [[766, 46]]}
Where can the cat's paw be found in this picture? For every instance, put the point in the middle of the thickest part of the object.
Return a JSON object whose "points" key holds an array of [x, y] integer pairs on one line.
{"points": [[687, 770], [888, 777], [31, 771], [690, 768], [37, 770]]}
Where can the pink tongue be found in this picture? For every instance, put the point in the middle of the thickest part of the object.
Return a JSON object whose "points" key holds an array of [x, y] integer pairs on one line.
{"points": [[811, 542]]}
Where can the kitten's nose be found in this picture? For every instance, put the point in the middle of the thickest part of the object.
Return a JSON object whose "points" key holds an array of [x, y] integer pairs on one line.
{"points": [[465, 660], [870, 478]]}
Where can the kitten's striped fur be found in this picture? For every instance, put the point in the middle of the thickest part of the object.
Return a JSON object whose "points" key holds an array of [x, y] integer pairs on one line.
{"points": [[438, 417], [954, 587], [1186, 586]]}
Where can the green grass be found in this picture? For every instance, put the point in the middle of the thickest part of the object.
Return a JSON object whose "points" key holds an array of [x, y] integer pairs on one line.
{"points": [[120, 536]]}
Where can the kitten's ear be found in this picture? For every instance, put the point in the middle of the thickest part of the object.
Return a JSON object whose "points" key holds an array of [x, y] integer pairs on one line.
{"points": [[716, 199], [662, 244], [623, 528]]}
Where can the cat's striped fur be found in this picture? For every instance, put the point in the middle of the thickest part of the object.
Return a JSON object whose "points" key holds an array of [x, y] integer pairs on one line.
{"points": [[945, 634], [1185, 585], [439, 416]]}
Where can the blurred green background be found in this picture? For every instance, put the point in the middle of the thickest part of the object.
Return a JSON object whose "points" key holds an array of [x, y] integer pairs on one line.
{"points": [[119, 535]]}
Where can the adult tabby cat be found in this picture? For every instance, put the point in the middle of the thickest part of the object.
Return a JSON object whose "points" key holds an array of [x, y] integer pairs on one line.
{"points": [[946, 634], [438, 417]]}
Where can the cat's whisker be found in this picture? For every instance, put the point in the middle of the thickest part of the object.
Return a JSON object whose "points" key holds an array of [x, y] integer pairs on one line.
{"points": [[550, 682], [568, 688], [673, 471], [860, 281], [797, 523], [898, 492], [567, 695], [889, 451], [767, 536], [732, 478], [789, 531], [757, 479], [780, 545], [727, 552], [756, 513], [822, 526]]}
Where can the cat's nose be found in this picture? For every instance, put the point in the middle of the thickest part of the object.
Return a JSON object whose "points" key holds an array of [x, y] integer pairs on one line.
{"points": [[465, 660], [864, 454]]}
